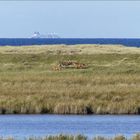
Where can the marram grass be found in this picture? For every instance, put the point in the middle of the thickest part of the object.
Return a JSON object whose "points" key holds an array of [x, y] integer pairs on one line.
{"points": [[109, 85], [78, 137]]}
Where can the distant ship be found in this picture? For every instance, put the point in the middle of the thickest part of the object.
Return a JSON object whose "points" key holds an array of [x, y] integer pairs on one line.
{"points": [[38, 35]]}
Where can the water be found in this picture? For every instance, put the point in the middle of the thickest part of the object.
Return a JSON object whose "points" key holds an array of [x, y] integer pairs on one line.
{"points": [[41, 125], [67, 41]]}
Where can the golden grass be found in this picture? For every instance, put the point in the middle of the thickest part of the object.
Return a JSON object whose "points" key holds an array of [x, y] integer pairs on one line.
{"points": [[70, 49], [109, 85]]}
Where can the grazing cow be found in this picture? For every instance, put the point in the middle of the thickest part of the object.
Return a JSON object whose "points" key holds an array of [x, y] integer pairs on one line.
{"points": [[70, 64], [57, 67]]}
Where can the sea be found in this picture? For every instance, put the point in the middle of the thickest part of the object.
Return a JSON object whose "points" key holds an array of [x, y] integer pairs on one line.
{"points": [[131, 42]]}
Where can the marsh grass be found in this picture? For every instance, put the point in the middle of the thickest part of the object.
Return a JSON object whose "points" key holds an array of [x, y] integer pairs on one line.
{"points": [[109, 85], [78, 137]]}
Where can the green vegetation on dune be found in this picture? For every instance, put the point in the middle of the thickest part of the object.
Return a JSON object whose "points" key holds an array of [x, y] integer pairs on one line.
{"points": [[109, 85], [79, 137]]}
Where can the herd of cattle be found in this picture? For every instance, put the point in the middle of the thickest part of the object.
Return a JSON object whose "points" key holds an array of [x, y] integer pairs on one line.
{"points": [[69, 64]]}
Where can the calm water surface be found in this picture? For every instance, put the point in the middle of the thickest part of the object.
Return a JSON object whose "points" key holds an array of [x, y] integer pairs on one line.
{"points": [[42, 125], [68, 41]]}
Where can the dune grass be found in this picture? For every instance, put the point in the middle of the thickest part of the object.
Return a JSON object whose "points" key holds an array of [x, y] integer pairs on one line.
{"points": [[78, 137], [109, 85]]}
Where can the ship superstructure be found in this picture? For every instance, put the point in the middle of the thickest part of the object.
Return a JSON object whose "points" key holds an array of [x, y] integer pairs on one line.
{"points": [[50, 35]]}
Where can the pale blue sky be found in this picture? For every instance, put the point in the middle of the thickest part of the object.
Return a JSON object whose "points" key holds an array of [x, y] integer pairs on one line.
{"points": [[71, 19]]}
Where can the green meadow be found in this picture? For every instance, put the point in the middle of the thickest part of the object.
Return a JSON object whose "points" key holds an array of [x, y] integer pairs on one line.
{"points": [[30, 82]]}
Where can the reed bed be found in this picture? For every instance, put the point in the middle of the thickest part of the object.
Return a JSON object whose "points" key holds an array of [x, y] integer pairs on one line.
{"points": [[108, 85], [78, 137]]}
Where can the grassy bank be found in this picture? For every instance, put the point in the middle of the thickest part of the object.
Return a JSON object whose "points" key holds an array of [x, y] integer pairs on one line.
{"points": [[110, 84], [79, 137]]}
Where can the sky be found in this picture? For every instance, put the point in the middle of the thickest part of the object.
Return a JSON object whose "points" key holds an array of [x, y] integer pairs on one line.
{"points": [[70, 19]]}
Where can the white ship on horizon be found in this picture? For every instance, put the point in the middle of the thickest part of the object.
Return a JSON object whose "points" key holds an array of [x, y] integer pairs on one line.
{"points": [[50, 35]]}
